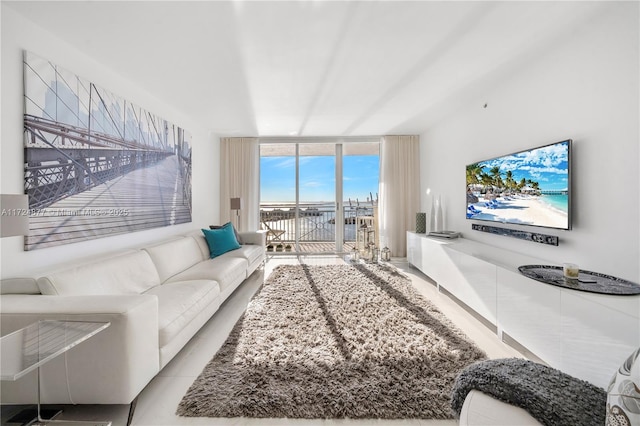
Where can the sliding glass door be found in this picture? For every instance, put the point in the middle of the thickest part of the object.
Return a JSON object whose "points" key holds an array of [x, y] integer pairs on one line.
{"points": [[361, 172], [311, 193], [317, 197], [278, 194]]}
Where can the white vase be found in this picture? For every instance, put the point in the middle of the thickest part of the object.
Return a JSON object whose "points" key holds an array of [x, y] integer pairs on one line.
{"points": [[439, 226], [432, 216]]}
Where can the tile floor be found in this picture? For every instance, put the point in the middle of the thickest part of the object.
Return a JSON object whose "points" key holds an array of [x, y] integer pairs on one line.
{"points": [[157, 403]]}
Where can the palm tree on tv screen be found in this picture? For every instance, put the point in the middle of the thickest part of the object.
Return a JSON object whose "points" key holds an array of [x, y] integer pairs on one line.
{"points": [[474, 171], [496, 177]]}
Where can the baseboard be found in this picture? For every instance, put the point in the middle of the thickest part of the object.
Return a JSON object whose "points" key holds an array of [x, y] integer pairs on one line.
{"points": [[521, 348], [467, 308]]}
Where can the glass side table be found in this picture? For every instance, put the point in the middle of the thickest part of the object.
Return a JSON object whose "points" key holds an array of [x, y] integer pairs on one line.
{"points": [[30, 347]]}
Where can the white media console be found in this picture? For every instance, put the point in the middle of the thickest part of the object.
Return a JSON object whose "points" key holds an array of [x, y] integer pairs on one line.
{"points": [[584, 334]]}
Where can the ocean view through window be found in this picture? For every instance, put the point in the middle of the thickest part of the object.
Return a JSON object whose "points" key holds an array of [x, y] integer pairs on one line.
{"points": [[312, 193]]}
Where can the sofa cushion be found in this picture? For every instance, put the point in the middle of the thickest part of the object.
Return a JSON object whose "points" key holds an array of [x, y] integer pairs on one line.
{"points": [[198, 237], [175, 256], [251, 253], [225, 269], [19, 286], [248, 238], [221, 240], [179, 302], [129, 273], [258, 238]]}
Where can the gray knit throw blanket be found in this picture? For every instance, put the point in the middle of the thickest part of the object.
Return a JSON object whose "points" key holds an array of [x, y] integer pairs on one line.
{"points": [[549, 395]]}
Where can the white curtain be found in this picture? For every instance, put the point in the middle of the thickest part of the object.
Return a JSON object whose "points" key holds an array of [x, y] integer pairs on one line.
{"points": [[240, 178], [399, 190]]}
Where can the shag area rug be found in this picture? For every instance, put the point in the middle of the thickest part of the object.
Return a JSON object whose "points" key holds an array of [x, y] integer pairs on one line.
{"points": [[335, 341]]}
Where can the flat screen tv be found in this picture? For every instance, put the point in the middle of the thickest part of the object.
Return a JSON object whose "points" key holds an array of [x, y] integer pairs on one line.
{"points": [[530, 187]]}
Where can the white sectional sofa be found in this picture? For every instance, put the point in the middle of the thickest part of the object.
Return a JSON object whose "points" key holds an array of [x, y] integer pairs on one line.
{"points": [[156, 299]]}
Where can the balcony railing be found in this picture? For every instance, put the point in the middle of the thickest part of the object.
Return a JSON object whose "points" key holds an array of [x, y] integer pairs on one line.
{"points": [[317, 225]]}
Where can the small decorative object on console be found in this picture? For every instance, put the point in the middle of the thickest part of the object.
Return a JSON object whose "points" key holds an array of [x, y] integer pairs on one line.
{"points": [[570, 270], [439, 219], [421, 223], [444, 234]]}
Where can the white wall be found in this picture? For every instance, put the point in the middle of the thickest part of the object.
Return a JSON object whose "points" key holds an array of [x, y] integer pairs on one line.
{"points": [[20, 34], [584, 86]]}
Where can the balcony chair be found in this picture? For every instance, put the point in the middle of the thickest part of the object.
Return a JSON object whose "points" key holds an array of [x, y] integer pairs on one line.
{"points": [[273, 236]]}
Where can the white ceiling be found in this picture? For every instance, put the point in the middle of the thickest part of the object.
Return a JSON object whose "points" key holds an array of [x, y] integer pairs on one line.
{"points": [[312, 68]]}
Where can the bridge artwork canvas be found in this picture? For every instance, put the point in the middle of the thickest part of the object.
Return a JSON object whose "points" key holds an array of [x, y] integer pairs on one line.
{"points": [[97, 165]]}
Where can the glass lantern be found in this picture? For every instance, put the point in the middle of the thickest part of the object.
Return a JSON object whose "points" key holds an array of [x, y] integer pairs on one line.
{"points": [[361, 238], [365, 239], [371, 252], [385, 254]]}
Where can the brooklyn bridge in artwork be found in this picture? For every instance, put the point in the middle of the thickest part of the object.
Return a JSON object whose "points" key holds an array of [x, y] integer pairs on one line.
{"points": [[97, 165]]}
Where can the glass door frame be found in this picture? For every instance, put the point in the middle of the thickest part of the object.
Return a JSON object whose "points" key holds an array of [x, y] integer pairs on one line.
{"points": [[339, 228], [338, 153]]}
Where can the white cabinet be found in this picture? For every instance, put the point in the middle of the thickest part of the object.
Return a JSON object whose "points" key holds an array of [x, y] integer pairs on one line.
{"points": [[473, 281], [468, 278], [529, 312], [583, 334], [427, 255], [414, 250], [597, 335]]}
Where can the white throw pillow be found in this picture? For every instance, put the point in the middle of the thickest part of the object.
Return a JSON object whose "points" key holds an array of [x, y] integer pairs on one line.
{"points": [[623, 399]]}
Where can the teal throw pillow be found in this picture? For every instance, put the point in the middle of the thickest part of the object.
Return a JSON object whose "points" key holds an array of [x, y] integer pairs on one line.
{"points": [[235, 232], [221, 240]]}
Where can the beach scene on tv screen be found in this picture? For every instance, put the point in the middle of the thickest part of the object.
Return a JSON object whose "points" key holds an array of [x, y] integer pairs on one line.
{"points": [[528, 188]]}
